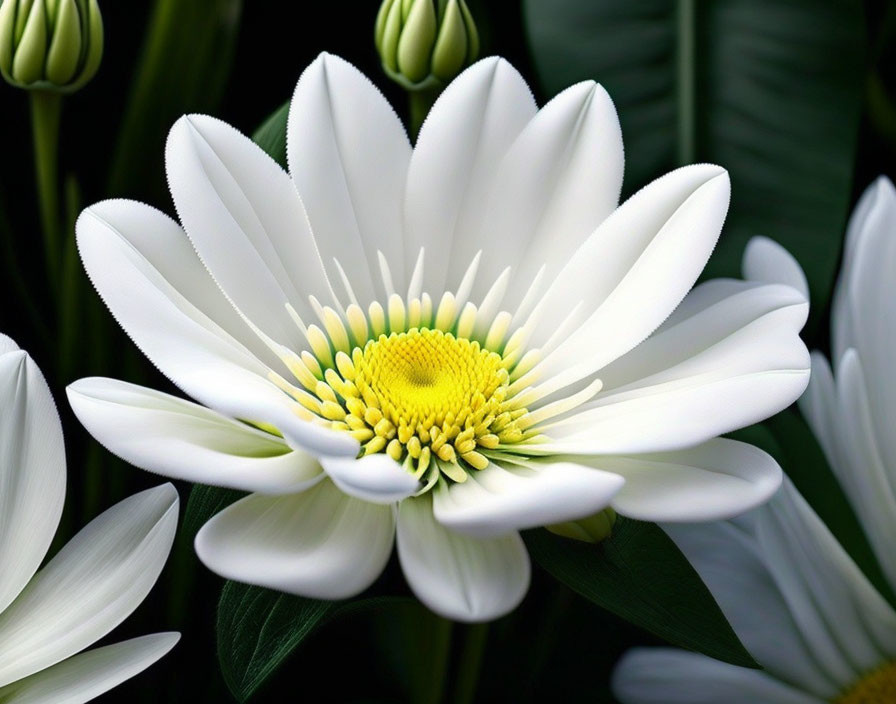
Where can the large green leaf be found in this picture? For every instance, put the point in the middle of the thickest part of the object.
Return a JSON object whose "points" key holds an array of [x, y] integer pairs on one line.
{"points": [[183, 67], [258, 629], [640, 575], [770, 90]]}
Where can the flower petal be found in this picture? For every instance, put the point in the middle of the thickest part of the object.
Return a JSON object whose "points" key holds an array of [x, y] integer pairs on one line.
{"points": [[83, 677], [461, 578], [454, 162], [7, 344], [717, 480], [243, 215], [558, 181], [499, 500], [90, 586], [767, 261], [729, 359], [319, 543], [672, 676], [182, 340], [376, 478], [348, 155], [32, 470], [176, 438], [632, 272]]}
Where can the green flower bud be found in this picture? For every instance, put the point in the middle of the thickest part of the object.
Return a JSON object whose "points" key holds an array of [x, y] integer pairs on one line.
{"points": [[53, 45], [593, 529], [424, 44]]}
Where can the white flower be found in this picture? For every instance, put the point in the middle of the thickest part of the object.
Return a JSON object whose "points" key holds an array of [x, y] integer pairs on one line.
{"points": [[795, 598], [799, 604], [474, 318], [48, 616], [854, 415]]}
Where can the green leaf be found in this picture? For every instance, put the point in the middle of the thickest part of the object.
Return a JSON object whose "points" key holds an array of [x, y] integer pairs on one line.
{"points": [[205, 502], [788, 439], [271, 135], [641, 576], [258, 629], [771, 91], [184, 66]]}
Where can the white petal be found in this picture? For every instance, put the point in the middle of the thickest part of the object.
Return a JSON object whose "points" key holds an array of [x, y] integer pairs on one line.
{"points": [[671, 676], [182, 340], [717, 480], [348, 155], [243, 215], [377, 478], [319, 543], [90, 586], [767, 261], [7, 344], [83, 677], [461, 578], [727, 362], [176, 438], [499, 500], [32, 471], [460, 145], [633, 271], [558, 182]]}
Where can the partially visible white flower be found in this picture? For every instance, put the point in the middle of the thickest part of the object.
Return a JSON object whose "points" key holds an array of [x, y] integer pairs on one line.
{"points": [[799, 604], [434, 346], [853, 411], [48, 616]]}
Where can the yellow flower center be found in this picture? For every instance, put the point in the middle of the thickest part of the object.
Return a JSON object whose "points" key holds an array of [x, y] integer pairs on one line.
{"points": [[876, 687]]}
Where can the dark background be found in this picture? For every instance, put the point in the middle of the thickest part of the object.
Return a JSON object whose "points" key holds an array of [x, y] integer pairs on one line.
{"points": [[556, 647]]}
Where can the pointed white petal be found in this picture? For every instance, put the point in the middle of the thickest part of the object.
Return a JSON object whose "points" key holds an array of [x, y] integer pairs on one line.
{"points": [[7, 344], [176, 438], [243, 215], [559, 180], [671, 676], [634, 270], [319, 543], [376, 478], [767, 261], [454, 162], [32, 471], [713, 481], [181, 339], [90, 586], [461, 578], [729, 359], [499, 500], [83, 677], [348, 155]]}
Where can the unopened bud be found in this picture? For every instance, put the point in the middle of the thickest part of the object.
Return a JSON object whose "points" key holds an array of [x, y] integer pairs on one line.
{"points": [[54, 45], [424, 44]]}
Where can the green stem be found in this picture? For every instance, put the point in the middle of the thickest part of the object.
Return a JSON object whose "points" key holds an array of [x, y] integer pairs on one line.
{"points": [[441, 652], [69, 291], [420, 101], [686, 81], [46, 110], [470, 663]]}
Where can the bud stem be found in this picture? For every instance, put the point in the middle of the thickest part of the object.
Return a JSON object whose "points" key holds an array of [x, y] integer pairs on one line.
{"points": [[46, 109], [420, 101]]}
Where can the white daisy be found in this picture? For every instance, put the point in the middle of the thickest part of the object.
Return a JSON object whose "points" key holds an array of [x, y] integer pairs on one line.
{"points": [[799, 604], [854, 415], [48, 616], [446, 344]]}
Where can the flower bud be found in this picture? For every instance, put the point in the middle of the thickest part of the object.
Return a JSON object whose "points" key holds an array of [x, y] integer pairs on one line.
{"points": [[593, 529], [53, 45], [424, 44]]}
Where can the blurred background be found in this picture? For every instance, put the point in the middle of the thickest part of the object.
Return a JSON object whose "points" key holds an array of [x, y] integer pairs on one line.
{"points": [[797, 98]]}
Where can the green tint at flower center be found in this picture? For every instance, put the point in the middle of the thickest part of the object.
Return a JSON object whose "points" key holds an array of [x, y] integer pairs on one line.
{"points": [[876, 687]]}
